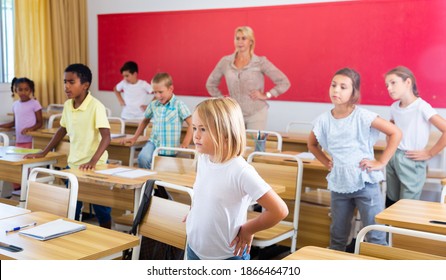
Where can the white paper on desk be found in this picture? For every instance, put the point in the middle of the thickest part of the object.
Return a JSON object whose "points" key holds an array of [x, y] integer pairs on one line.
{"points": [[135, 173], [53, 229], [113, 171], [306, 155]]}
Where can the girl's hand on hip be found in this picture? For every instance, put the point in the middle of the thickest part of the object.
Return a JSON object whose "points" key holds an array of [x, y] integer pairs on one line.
{"points": [[241, 241], [370, 165], [419, 155]]}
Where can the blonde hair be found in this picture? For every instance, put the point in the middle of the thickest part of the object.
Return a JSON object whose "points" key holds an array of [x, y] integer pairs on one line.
{"points": [[162, 77], [223, 118], [249, 33]]}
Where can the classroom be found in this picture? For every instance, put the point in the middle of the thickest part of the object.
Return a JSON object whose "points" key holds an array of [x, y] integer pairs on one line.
{"points": [[309, 40]]}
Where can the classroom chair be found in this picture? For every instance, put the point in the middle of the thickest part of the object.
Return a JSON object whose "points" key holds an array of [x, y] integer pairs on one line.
{"points": [[4, 139], [54, 121], [291, 178], [184, 163], [55, 199], [299, 126], [54, 107], [117, 125], [393, 253], [443, 195], [252, 135], [108, 112], [164, 219], [435, 175]]}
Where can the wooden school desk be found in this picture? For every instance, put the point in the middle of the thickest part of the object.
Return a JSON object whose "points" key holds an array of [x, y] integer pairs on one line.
{"points": [[15, 169], [416, 214], [92, 243], [125, 193], [297, 142], [319, 253], [126, 153], [8, 211]]}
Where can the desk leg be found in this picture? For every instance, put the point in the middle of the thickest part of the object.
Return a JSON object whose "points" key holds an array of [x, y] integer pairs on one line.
{"points": [[132, 156], [136, 249], [24, 185]]}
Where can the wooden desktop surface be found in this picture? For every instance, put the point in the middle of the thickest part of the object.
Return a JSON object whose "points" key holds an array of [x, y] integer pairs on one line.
{"points": [[93, 243], [319, 253], [15, 169], [116, 150], [11, 166], [124, 193], [414, 214], [184, 179], [8, 211]]}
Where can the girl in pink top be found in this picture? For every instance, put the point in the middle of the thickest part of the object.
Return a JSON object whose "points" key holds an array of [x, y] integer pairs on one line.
{"points": [[27, 112]]}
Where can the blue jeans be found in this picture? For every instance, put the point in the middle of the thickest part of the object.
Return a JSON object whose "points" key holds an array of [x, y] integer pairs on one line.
{"points": [[369, 203], [103, 213], [145, 156], [193, 257]]}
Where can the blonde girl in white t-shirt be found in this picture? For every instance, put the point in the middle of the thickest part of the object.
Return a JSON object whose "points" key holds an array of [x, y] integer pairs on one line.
{"points": [[225, 186], [406, 170]]}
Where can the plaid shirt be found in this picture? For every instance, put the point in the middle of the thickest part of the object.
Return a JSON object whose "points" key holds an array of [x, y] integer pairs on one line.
{"points": [[167, 122]]}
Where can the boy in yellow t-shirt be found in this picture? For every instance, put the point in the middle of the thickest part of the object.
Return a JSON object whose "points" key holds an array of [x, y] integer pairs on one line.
{"points": [[84, 119]]}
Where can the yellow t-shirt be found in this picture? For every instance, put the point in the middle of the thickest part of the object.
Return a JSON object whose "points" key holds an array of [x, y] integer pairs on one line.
{"points": [[82, 125]]}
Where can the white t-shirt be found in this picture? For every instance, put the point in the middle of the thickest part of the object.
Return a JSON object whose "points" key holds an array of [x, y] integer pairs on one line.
{"points": [[222, 195], [134, 96], [413, 122]]}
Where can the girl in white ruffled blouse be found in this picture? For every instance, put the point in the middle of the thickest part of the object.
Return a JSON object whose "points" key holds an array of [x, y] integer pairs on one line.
{"points": [[347, 133]]}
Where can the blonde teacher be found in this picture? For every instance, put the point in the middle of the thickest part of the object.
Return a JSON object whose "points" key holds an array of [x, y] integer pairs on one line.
{"points": [[245, 77]]}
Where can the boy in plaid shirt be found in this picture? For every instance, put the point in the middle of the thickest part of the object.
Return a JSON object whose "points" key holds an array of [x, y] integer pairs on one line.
{"points": [[168, 114]]}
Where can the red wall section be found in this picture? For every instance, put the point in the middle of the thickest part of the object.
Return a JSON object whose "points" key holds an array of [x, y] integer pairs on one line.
{"points": [[308, 42]]}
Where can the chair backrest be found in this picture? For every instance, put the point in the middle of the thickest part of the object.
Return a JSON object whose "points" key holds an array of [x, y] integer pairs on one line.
{"points": [[54, 199], [164, 219], [117, 125], [54, 107], [4, 139], [54, 120], [443, 195], [288, 176], [252, 135], [299, 126], [174, 164], [108, 112], [392, 253]]}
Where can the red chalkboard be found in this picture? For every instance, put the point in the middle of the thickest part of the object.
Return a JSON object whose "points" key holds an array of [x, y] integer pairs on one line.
{"points": [[308, 42]]}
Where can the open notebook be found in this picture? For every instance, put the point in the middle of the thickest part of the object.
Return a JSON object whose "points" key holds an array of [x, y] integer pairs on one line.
{"points": [[126, 172], [53, 229]]}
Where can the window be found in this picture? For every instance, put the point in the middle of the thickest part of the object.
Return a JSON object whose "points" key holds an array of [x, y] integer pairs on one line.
{"points": [[6, 41]]}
